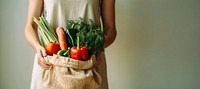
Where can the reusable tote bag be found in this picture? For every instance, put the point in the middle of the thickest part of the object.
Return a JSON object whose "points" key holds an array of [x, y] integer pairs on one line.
{"points": [[67, 73]]}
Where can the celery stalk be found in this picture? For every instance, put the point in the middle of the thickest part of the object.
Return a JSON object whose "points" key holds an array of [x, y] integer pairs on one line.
{"points": [[47, 33]]}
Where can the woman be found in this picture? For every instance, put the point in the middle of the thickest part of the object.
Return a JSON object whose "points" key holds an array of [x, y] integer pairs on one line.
{"points": [[57, 12]]}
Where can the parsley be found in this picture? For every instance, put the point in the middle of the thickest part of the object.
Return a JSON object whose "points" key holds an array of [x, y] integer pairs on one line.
{"points": [[91, 35]]}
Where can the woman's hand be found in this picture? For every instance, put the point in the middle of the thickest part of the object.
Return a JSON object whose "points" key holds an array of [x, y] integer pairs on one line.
{"points": [[41, 53]]}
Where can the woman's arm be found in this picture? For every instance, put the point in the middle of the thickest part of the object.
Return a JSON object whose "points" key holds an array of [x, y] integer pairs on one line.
{"points": [[108, 19], [35, 10]]}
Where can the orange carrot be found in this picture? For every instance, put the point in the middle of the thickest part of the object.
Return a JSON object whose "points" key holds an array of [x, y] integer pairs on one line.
{"points": [[61, 37]]}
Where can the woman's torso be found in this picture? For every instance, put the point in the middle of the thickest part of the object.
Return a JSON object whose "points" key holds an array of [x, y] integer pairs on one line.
{"points": [[58, 12]]}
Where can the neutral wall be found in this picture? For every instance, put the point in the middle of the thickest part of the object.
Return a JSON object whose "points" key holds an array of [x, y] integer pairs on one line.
{"points": [[157, 47]]}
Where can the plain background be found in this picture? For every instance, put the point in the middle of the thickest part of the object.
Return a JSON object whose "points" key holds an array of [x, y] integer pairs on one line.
{"points": [[157, 47]]}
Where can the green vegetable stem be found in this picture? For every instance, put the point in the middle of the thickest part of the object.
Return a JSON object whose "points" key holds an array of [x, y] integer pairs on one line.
{"points": [[64, 52], [47, 33]]}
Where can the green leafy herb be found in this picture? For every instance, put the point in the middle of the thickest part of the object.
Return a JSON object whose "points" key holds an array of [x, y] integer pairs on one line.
{"points": [[91, 35]]}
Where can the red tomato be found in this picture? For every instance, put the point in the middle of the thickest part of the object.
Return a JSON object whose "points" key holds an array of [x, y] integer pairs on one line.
{"points": [[52, 48]]}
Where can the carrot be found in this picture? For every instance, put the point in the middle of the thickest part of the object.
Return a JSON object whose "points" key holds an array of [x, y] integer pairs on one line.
{"points": [[61, 37]]}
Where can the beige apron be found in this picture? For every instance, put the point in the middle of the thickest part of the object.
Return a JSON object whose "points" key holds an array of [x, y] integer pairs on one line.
{"points": [[57, 13]]}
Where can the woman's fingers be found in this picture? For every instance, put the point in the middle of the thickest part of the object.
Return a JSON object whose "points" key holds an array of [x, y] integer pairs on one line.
{"points": [[41, 53], [43, 63], [44, 53]]}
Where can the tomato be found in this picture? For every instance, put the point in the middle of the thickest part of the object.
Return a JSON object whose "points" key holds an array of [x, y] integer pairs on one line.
{"points": [[52, 48]]}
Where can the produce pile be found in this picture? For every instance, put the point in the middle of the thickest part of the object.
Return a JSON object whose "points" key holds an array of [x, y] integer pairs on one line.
{"points": [[78, 41]]}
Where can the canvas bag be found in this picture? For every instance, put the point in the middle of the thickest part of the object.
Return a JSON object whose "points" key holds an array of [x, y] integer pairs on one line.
{"points": [[67, 73]]}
